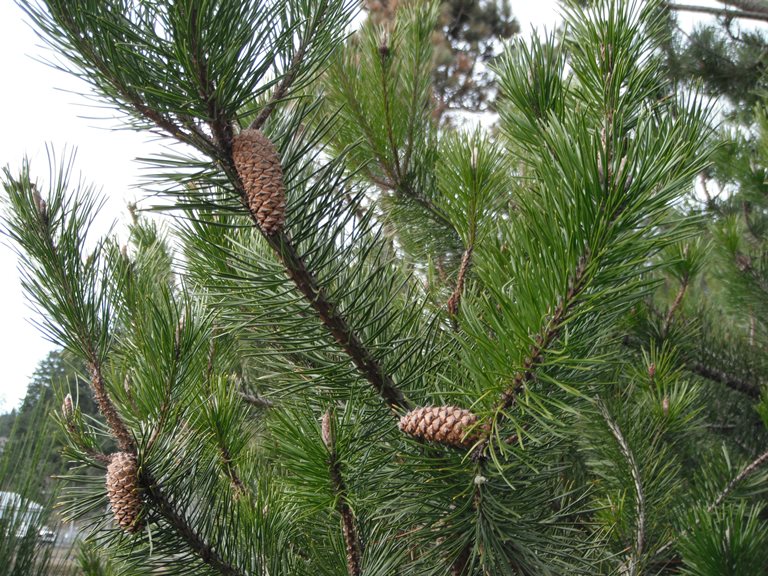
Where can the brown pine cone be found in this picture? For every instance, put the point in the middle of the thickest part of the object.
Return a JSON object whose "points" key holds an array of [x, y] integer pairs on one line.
{"points": [[443, 424], [258, 166], [123, 491]]}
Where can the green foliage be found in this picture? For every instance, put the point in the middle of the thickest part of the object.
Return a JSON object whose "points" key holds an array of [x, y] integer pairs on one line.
{"points": [[257, 378], [730, 541]]}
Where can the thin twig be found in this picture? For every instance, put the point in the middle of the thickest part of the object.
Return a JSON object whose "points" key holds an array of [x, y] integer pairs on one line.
{"points": [[336, 324], [751, 389], [255, 400], [348, 523], [181, 524], [290, 75], [550, 330], [749, 469], [455, 300], [675, 305], [721, 12], [639, 544]]}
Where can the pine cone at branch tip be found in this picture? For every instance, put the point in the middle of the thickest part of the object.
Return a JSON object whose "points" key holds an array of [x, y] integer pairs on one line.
{"points": [[447, 425], [261, 173], [124, 491]]}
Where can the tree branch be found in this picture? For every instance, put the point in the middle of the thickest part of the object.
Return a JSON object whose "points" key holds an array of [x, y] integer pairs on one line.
{"points": [[751, 389], [290, 75], [637, 480], [178, 522], [720, 12], [547, 334], [348, 524], [336, 324], [455, 300], [675, 305], [749, 469]]}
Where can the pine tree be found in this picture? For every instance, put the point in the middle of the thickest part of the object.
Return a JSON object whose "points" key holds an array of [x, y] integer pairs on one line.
{"points": [[466, 39], [294, 381]]}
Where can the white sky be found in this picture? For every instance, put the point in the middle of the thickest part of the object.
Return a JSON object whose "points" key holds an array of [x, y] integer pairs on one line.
{"points": [[40, 105]]}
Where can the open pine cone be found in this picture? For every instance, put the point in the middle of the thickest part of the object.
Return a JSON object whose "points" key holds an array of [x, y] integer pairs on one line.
{"points": [[258, 166], [444, 424], [123, 491]]}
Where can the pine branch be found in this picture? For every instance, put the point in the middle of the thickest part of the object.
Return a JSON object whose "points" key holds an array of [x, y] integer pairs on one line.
{"points": [[220, 127], [735, 481], [675, 305], [107, 408], [748, 470], [282, 88], [289, 76], [720, 12], [255, 400], [749, 5], [751, 389], [640, 520], [455, 300], [336, 324], [546, 336], [204, 549], [348, 524]]}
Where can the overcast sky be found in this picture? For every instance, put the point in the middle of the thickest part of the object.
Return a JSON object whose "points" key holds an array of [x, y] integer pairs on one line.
{"points": [[40, 106]]}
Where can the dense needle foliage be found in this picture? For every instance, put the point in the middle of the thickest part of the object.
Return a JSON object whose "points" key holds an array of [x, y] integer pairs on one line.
{"points": [[252, 382]]}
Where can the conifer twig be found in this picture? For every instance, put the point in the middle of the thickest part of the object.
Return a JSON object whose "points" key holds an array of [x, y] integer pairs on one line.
{"points": [[255, 400], [735, 481], [745, 472], [548, 333], [103, 401], [336, 324], [107, 408], [288, 78], [195, 541], [639, 492], [751, 389], [721, 12], [348, 524], [675, 305], [455, 300]]}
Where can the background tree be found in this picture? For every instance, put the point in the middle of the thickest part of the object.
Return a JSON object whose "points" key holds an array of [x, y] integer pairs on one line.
{"points": [[299, 390], [467, 38]]}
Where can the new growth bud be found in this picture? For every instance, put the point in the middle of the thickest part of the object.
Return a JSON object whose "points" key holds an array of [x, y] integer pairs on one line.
{"points": [[326, 430], [67, 409]]}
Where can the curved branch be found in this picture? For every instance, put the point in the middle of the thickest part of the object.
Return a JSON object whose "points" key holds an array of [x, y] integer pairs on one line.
{"points": [[348, 523], [548, 333]]}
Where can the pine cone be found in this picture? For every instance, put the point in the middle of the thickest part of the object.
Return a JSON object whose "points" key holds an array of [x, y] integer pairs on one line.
{"points": [[258, 166], [123, 490], [443, 424]]}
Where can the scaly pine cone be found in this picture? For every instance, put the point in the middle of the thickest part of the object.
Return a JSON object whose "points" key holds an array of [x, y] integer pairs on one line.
{"points": [[258, 166], [443, 424], [123, 491]]}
